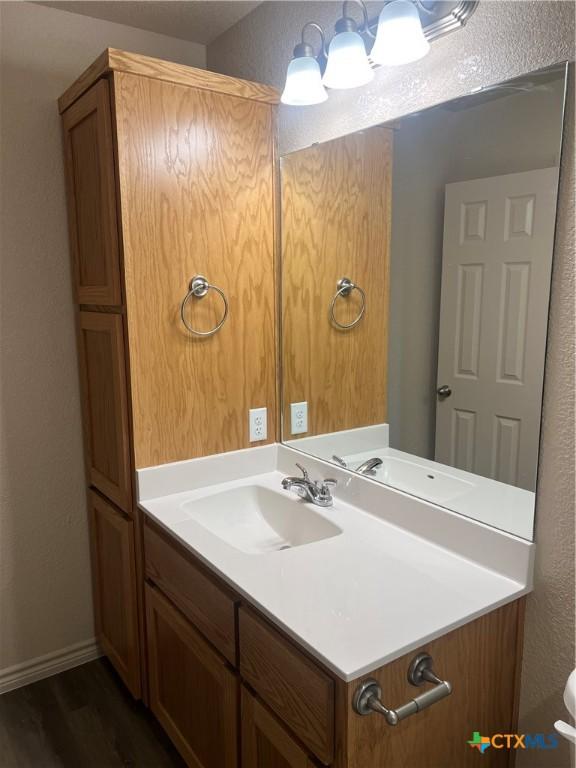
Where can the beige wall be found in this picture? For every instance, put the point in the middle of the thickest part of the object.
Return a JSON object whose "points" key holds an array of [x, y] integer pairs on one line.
{"points": [[502, 40], [45, 602]]}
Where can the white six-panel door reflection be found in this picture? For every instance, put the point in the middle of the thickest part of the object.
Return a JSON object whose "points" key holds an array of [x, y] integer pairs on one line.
{"points": [[496, 265]]}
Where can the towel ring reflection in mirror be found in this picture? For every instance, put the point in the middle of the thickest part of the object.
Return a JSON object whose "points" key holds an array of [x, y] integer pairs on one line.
{"points": [[198, 288], [344, 288]]}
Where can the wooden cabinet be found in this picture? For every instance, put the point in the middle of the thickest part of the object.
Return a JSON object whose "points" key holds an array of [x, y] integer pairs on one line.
{"points": [[115, 590], [295, 712], [105, 409], [192, 691], [170, 173], [92, 198], [265, 742]]}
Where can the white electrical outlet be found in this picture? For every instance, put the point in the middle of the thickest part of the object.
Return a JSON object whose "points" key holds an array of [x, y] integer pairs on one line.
{"points": [[258, 424], [298, 418]]}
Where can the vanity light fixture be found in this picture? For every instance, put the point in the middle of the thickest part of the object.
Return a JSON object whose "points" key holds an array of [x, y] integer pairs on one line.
{"points": [[348, 65], [399, 38], [304, 76]]}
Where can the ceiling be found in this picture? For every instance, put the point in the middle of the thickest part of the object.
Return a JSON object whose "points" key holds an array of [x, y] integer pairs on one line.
{"points": [[198, 22], [202, 21]]}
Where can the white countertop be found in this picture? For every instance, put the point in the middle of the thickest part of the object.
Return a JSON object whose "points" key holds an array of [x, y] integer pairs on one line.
{"points": [[360, 599]]}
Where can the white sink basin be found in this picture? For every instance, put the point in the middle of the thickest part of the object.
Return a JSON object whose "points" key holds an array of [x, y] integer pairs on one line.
{"points": [[255, 519], [421, 479], [435, 485]]}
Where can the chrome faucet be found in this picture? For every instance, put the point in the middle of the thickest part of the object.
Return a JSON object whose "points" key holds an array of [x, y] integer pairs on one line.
{"points": [[315, 491], [368, 467]]}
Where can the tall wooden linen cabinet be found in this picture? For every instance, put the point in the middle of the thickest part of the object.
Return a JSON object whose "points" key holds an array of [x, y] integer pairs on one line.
{"points": [[170, 174]]}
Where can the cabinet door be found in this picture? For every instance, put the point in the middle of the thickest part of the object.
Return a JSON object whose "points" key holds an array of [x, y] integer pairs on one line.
{"points": [[104, 401], [265, 743], [114, 581], [192, 692], [89, 159]]}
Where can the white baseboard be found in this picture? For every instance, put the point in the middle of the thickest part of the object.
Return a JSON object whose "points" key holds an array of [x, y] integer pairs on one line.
{"points": [[48, 665]]}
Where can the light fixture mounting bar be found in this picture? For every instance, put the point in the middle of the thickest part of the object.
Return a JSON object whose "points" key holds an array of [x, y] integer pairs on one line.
{"points": [[455, 19]]}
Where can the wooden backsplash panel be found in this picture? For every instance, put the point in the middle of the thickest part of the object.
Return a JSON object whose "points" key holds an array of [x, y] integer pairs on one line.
{"points": [[336, 223], [196, 196]]}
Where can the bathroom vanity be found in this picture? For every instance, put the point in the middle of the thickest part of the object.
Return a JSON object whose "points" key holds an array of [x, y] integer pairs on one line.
{"points": [[371, 623], [154, 151], [269, 615]]}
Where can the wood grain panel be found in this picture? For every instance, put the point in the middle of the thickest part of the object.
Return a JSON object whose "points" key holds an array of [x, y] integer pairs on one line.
{"points": [[480, 659], [293, 686], [196, 180], [104, 405], [113, 59], [209, 606], [265, 743], [114, 586], [91, 195], [86, 80], [192, 692], [336, 223]]}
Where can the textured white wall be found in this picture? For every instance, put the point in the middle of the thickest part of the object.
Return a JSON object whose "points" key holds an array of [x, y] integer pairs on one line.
{"points": [[502, 40], [45, 594]]}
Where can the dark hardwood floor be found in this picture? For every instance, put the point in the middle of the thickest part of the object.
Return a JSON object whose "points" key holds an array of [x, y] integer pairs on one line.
{"points": [[82, 718]]}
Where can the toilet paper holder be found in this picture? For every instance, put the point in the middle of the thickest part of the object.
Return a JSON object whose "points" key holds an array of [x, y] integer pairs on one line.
{"points": [[367, 697]]}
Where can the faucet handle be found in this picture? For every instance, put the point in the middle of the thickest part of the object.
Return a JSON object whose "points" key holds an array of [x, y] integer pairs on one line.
{"points": [[303, 470], [325, 485]]}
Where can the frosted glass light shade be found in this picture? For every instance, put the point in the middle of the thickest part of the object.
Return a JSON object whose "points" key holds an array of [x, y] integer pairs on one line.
{"points": [[348, 65], [399, 39], [303, 83]]}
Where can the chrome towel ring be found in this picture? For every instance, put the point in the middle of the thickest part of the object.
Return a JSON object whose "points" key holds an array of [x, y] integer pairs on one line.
{"points": [[199, 287], [344, 287]]}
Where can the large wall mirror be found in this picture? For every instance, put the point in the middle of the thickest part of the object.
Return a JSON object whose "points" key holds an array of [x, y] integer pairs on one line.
{"points": [[416, 267]]}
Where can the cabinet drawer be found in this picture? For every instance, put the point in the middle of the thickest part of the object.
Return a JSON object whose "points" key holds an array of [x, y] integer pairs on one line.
{"points": [[208, 606], [291, 684]]}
